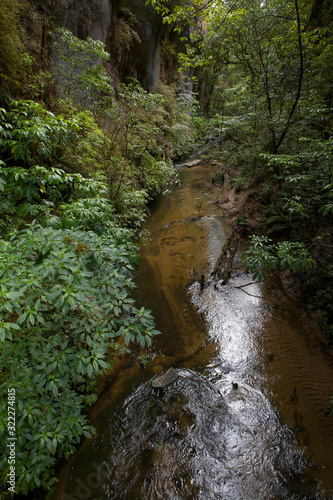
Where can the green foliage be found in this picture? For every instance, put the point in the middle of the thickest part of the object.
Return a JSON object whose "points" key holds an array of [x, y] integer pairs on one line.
{"points": [[33, 135], [130, 158], [262, 44], [154, 123], [263, 257], [201, 127], [154, 175], [36, 192], [32, 191], [64, 304], [93, 214], [304, 198], [79, 71], [132, 205], [327, 208], [67, 181], [66, 278], [183, 109], [90, 150], [180, 12], [130, 139]]}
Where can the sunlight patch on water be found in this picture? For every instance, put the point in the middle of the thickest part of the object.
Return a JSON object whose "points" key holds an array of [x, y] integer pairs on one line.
{"points": [[234, 319]]}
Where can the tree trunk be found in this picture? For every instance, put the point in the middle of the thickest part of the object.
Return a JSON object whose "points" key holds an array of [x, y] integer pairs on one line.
{"points": [[300, 78]]}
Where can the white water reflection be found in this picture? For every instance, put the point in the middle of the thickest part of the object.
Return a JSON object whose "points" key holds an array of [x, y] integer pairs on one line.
{"points": [[261, 455], [234, 319]]}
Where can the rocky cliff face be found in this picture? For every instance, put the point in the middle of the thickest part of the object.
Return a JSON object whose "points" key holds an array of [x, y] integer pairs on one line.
{"points": [[130, 30], [136, 31], [82, 17]]}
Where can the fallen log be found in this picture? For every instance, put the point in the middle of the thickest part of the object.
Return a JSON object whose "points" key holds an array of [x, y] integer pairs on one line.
{"points": [[224, 265]]}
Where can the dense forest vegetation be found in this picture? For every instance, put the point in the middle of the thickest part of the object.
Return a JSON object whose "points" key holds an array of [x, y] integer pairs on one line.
{"points": [[81, 157], [264, 83]]}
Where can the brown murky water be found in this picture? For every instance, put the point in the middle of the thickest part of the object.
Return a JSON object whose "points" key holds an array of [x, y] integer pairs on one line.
{"points": [[245, 420]]}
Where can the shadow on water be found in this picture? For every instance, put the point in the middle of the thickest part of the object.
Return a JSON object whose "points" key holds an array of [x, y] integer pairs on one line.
{"points": [[245, 419]]}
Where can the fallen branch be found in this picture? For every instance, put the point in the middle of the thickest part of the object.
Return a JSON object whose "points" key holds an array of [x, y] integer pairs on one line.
{"points": [[248, 293], [248, 284], [224, 265]]}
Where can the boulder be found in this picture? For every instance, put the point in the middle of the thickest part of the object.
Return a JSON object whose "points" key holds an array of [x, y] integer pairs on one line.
{"points": [[192, 163], [163, 381], [218, 179]]}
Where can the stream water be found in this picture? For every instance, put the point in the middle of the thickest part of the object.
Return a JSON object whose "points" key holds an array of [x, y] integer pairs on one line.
{"points": [[246, 418]]}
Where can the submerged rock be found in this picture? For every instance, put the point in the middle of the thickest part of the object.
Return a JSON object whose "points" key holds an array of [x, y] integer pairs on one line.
{"points": [[192, 163], [218, 179], [165, 380]]}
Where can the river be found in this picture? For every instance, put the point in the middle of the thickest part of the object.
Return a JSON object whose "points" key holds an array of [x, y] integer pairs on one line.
{"points": [[246, 418]]}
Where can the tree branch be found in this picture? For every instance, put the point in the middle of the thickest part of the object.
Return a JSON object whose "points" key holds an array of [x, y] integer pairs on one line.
{"points": [[300, 78]]}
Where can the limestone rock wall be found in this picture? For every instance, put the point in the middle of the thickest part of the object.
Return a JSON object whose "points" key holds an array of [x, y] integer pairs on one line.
{"points": [[130, 30], [82, 17], [135, 34]]}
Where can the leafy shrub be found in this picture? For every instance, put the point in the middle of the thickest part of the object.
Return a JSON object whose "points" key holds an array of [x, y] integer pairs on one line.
{"points": [[37, 191], [64, 304], [79, 71], [263, 256], [155, 175], [132, 207], [93, 214], [33, 135]]}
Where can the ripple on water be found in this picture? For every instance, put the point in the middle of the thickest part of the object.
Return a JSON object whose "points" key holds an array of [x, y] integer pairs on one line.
{"points": [[194, 443]]}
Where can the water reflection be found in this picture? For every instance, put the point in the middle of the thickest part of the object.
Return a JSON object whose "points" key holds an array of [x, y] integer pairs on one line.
{"points": [[261, 456]]}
